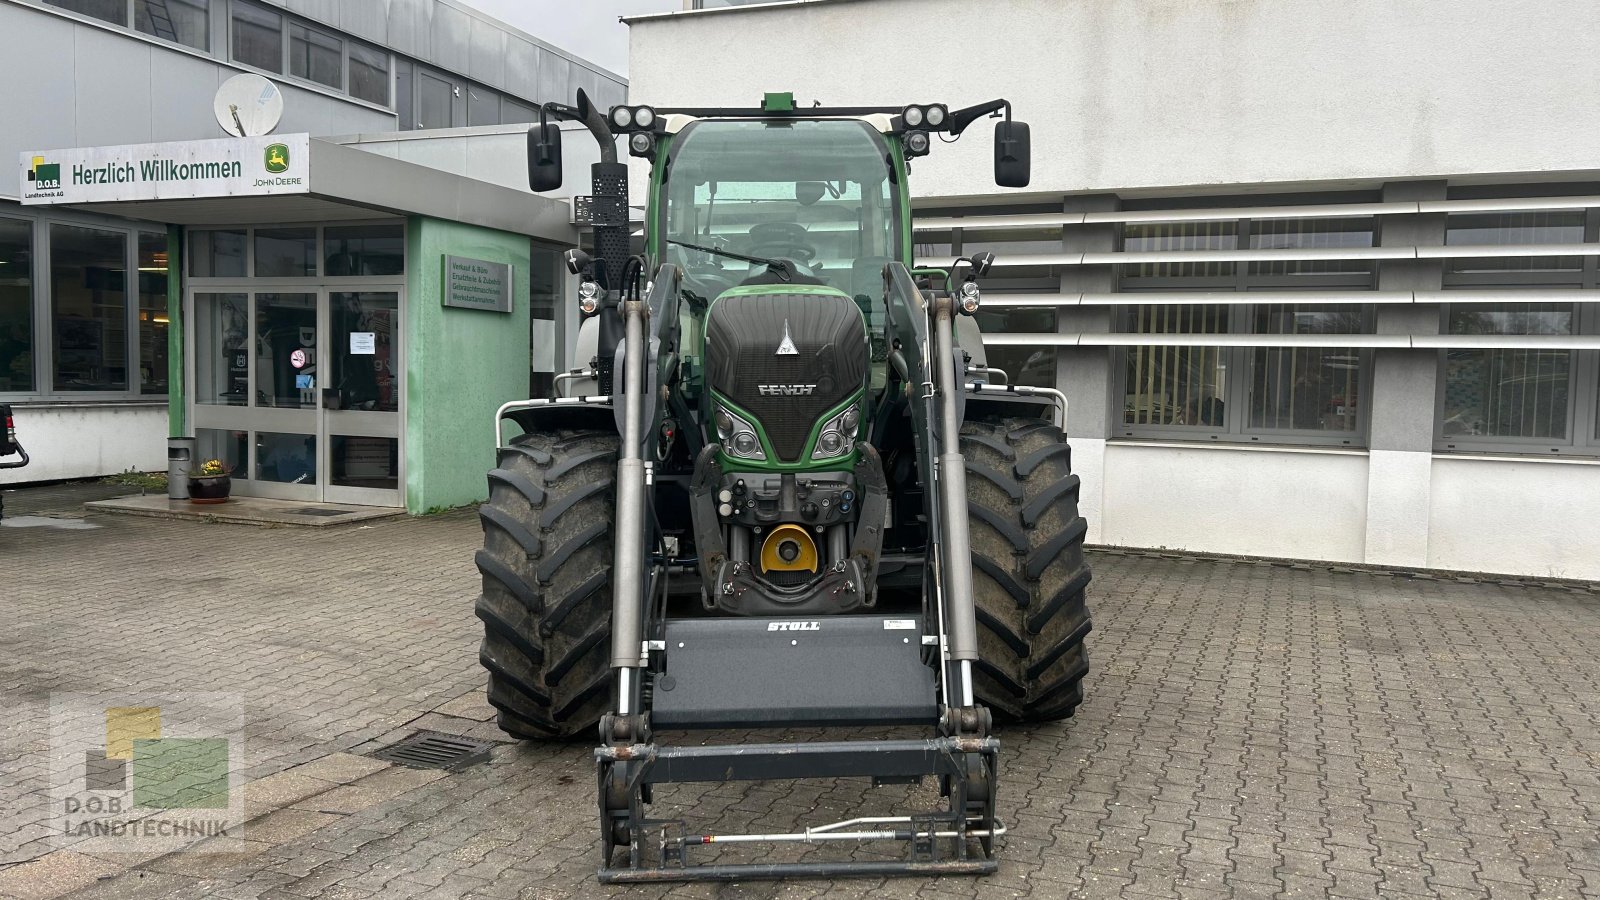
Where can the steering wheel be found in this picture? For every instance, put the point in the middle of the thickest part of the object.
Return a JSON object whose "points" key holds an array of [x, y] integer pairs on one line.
{"points": [[776, 240]]}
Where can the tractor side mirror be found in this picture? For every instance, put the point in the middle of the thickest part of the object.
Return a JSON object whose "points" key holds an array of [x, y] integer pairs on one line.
{"points": [[544, 157], [1013, 154]]}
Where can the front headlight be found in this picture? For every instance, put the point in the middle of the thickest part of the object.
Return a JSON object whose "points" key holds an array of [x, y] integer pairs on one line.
{"points": [[738, 436], [838, 435]]}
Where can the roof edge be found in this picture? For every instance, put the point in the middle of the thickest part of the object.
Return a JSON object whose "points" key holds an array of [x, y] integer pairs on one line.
{"points": [[726, 10]]}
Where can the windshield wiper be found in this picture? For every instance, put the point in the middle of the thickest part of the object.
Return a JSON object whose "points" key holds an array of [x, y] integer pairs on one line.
{"points": [[783, 268], [720, 252]]}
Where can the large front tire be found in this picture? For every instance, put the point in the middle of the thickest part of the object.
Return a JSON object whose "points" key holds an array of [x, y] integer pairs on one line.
{"points": [[546, 564], [1028, 570]]}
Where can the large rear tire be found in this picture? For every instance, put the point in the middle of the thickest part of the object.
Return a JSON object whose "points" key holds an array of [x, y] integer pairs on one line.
{"points": [[546, 564], [1028, 570]]}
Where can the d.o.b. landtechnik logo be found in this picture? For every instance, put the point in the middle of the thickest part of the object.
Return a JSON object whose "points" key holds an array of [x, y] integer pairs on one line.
{"points": [[44, 178], [138, 778]]}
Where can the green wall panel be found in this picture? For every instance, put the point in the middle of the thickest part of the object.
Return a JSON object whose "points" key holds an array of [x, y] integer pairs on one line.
{"points": [[461, 364]]}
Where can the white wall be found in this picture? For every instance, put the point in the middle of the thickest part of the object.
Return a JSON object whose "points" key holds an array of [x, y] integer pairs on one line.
{"points": [[1516, 516], [1253, 501], [89, 440], [1538, 518], [1124, 94]]}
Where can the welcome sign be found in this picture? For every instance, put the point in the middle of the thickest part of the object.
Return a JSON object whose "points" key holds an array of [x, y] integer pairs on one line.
{"points": [[226, 167]]}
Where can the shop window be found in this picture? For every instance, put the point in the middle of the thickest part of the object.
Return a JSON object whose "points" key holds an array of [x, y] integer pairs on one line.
{"points": [[16, 305], [286, 458], [232, 448], [113, 11], [316, 55], [217, 254], [185, 22], [153, 320], [286, 252], [286, 351], [222, 342], [365, 325], [1508, 394], [364, 249], [369, 74], [89, 308], [364, 462], [257, 37]]}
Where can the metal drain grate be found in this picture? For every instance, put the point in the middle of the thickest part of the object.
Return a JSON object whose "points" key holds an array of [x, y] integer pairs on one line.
{"points": [[435, 750], [320, 511]]}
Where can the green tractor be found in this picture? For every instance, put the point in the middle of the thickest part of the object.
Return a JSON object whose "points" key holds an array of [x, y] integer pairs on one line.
{"points": [[784, 490]]}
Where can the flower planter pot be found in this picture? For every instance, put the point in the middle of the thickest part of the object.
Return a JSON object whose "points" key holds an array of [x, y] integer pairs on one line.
{"points": [[209, 488]]}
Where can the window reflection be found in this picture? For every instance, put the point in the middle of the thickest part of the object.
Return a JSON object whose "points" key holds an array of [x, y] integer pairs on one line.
{"points": [[286, 351], [286, 458], [363, 350], [153, 319], [1508, 393], [89, 305], [16, 305], [222, 355], [286, 252], [364, 249]]}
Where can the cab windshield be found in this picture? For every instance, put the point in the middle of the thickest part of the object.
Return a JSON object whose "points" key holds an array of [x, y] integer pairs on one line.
{"points": [[817, 193]]}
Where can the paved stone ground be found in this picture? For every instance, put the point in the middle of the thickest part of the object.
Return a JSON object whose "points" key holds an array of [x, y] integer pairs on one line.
{"points": [[1250, 730]]}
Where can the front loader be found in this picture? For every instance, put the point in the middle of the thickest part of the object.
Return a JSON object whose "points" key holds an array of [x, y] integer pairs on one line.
{"points": [[783, 488]]}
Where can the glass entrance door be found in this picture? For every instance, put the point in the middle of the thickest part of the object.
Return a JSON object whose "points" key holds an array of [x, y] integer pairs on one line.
{"points": [[299, 391], [361, 398]]}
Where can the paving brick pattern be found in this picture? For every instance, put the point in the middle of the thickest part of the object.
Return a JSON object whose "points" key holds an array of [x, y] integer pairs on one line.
{"points": [[330, 640], [1250, 730]]}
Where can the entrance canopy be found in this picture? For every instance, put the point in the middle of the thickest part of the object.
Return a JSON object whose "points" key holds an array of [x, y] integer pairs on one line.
{"points": [[276, 179]]}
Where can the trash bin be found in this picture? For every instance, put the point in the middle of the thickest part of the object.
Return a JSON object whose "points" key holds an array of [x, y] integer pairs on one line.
{"points": [[180, 461]]}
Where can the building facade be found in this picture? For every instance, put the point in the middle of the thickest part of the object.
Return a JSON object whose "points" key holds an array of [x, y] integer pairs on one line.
{"points": [[411, 109], [1319, 280]]}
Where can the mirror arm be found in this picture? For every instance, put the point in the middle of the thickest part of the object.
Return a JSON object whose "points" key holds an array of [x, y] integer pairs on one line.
{"points": [[593, 120], [961, 118]]}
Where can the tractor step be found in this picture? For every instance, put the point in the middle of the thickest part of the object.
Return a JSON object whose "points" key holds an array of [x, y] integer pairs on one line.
{"points": [[750, 672]]}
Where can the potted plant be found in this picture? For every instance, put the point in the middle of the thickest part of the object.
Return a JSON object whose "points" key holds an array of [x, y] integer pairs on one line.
{"points": [[211, 483]]}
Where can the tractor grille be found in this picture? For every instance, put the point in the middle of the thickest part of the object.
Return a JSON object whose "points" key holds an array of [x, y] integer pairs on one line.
{"points": [[743, 335]]}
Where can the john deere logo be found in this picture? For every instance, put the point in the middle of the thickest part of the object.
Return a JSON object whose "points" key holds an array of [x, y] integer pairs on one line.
{"points": [[45, 176], [277, 158]]}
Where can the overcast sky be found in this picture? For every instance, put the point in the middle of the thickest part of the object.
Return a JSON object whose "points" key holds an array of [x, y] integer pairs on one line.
{"points": [[586, 28]]}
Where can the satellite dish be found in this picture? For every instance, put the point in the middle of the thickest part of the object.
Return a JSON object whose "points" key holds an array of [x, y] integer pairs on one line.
{"points": [[248, 105]]}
